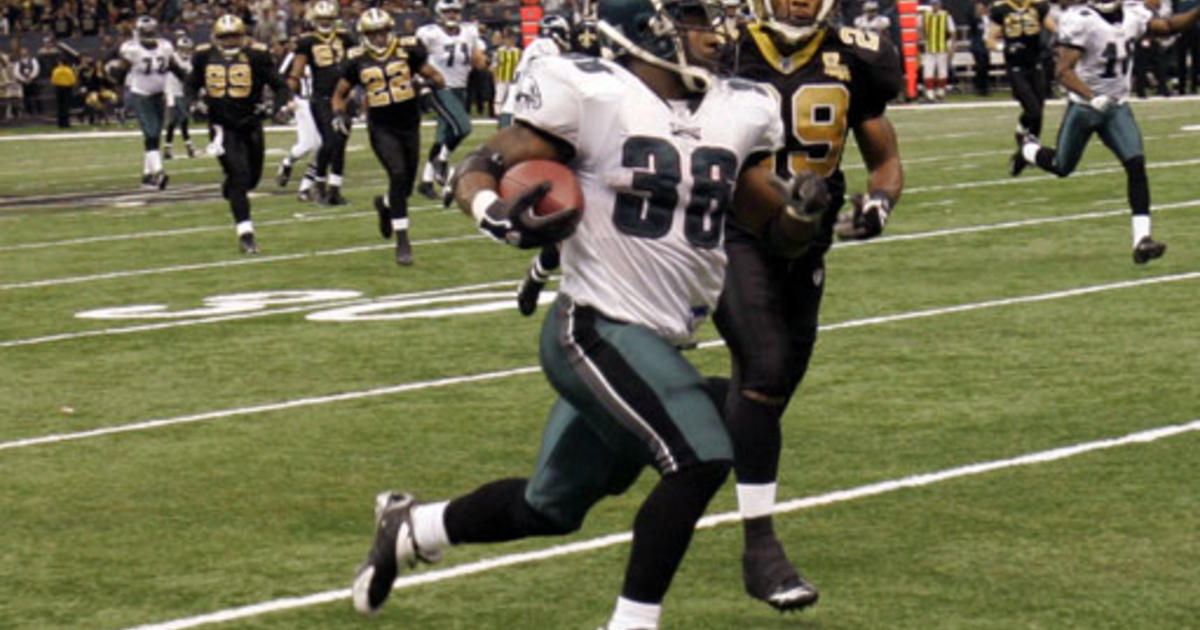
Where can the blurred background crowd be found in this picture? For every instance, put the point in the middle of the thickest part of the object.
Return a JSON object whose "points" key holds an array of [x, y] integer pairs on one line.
{"points": [[51, 50]]}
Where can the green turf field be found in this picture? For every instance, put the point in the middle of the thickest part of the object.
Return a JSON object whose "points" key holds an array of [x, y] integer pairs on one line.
{"points": [[211, 461]]}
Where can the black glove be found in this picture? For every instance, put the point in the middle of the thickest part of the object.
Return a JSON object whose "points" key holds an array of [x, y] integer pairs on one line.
{"points": [[262, 110], [341, 124], [200, 107], [793, 231], [515, 222], [807, 195], [867, 217]]}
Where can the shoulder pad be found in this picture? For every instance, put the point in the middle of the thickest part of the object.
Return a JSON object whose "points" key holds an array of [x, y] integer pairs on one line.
{"points": [[204, 47], [259, 46], [409, 41], [356, 52]]}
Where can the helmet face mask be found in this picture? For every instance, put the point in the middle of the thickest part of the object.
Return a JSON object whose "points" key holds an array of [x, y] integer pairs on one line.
{"points": [[229, 34], [377, 29], [449, 12], [146, 29], [655, 31], [557, 28], [779, 16], [324, 15]]}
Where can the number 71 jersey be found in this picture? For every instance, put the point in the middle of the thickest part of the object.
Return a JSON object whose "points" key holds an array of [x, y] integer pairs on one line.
{"points": [[657, 178], [827, 86], [1107, 47]]}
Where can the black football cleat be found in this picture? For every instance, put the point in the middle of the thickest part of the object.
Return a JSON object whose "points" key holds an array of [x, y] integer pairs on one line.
{"points": [[395, 545], [333, 197], [426, 190], [309, 194], [166, 153], [770, 577], [283, 174], [404, 255], [148, 181], [528, 292], [441, 171], [160, 180], [247, 245], [191, 150], [385, 217], [1017, 162], [1148, 249]]}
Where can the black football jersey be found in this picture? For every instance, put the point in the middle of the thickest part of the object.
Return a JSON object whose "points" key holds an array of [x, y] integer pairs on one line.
{"points": [[233, 85], [1020, 22], [388, 92], [833, 82], [325, 54]]}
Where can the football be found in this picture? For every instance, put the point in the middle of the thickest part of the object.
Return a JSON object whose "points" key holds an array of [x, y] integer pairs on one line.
{"points": [[564, 194]]}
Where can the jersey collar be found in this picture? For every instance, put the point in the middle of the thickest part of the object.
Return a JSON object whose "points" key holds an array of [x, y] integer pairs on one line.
{"points": [[784, 64]]}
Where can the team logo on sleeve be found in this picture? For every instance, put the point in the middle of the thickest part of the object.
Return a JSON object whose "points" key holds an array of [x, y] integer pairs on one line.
{"points": [[529, 95]]}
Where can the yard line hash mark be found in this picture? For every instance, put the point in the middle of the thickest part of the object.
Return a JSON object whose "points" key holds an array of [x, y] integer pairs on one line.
{"points": [[713, 520], [486, 376]]}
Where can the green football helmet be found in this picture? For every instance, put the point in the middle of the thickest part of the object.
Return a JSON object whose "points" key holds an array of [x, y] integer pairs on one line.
{"points": [[653, 31]]}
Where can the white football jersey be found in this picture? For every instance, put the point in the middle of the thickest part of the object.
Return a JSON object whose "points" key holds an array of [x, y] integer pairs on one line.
{"points": [[451, 54], [148, 68], [874, 23], [657, 180], [1107, 48], [540, 47]]}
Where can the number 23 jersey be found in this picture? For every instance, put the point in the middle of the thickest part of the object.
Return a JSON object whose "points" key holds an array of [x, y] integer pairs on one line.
{"points": [[831, 84], [657, 179]]}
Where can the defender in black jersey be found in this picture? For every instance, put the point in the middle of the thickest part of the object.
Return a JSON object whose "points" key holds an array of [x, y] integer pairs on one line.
{"points": [[323, 51], [385, 66], [232, 72], [830, 81], [1020, 23]]}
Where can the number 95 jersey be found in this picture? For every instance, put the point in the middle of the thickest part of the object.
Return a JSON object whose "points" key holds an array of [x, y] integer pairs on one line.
{"points": [[831, 84], [657, 178]]}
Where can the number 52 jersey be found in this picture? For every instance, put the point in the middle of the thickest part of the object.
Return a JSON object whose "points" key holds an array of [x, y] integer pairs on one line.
{"points": [[657, 178]]}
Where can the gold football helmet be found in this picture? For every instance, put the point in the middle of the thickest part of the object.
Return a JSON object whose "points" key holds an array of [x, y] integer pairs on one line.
{"points": [[323, 15], [782, 17], [377, 29], [229, 34]]}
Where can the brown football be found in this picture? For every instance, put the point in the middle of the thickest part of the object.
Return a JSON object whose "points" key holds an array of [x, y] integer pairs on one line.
{"points": [[564, 194]]}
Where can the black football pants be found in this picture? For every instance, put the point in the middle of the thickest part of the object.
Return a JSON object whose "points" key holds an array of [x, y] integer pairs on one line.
{"points": [[398, 150], [243, 165], [1029, 88], [331, 157]]}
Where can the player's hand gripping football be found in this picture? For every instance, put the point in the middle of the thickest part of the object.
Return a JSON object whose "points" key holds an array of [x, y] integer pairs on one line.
{"points": [[868, 215], [515, 222]]}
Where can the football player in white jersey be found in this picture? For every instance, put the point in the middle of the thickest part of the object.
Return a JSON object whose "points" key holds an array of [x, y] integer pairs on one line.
{"points": [[554, 39], [661, 163], [1093, 61], [148, 58], [308, 137], [454, 48]]}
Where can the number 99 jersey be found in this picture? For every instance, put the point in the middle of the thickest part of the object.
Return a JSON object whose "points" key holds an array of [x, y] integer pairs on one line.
{"points": [[387, 81], [839, 78], [657, 178], [233, 84]]}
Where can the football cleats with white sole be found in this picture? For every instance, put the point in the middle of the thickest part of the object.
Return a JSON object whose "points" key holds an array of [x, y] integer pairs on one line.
{"points": [[395, 545]]}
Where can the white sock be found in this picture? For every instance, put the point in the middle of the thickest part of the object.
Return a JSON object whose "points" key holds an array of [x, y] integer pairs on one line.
{"points": [[400, 225], [539, 273], [245, 227], [1029, 151], [444, 154], [305, 184], [335, 180], [288, 160], [756, 500], [427, 172], [147, 164], [631, 615], [155, 161], [1141, 227], [429, 526]]}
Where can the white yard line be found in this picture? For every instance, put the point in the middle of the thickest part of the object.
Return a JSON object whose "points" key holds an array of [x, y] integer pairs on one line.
{"points": [[1010, 181], [454, 380], [121, 330], [713, 520]]}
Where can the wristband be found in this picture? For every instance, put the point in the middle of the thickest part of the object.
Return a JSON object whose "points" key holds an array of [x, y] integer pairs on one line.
{"points": [[481, 202]]}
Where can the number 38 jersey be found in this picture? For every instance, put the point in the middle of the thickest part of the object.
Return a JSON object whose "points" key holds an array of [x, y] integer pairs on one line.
{"points": [[1107, 47], [836, 80], [233, 84], [657, 179], [387, 81]]}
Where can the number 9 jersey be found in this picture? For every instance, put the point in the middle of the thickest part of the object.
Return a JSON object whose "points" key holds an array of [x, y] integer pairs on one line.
{"points": [[834, 81], [657, 177]]}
